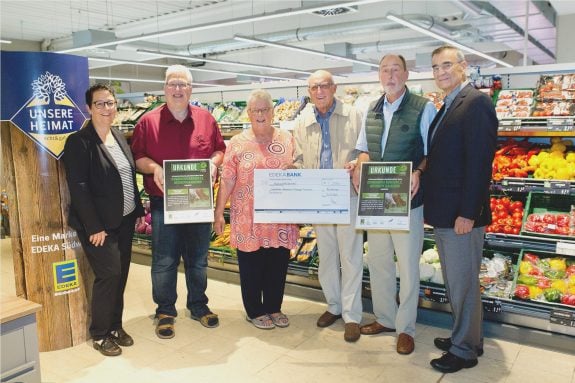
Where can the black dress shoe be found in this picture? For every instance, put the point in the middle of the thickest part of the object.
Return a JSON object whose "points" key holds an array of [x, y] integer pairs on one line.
{"points": [[121, 338], [444, 344], [452, 363], [107, 347]]}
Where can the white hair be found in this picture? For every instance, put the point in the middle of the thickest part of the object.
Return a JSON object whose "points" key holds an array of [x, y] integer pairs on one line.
{"points": [[179, 69], [260, 94]]}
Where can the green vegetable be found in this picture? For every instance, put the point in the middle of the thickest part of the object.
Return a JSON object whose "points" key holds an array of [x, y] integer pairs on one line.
{"points": [[552, 295], [529, 280], [554, 274]]}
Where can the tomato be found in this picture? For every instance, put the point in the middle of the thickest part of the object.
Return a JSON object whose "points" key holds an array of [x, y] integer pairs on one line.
{"points": [[562, 230], [535, 218], [517, 215], [492, 200], [493, 216], [495, 228], [516, 205], [500, 207], [549, 218], [544, 283], [516, 230], [563, 219], [517, 223], [502, 214], [505, 201], [508, 229]]}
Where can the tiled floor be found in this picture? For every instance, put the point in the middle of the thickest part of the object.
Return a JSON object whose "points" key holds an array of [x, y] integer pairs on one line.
{"points": [[238, 352]]}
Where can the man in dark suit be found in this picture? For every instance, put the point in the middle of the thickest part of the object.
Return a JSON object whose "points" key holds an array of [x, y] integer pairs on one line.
{"points": [[461, 146]]}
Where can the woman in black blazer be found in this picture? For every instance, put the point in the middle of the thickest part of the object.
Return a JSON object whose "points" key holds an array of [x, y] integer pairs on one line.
{"points": [[105, 205]]}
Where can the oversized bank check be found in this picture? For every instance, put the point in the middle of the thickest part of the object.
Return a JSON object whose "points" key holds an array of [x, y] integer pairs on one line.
{"points": [[301, 196]]}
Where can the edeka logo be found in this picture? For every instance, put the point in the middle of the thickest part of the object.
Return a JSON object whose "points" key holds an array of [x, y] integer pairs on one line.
{"points": [[50, 115], [65, 276]]}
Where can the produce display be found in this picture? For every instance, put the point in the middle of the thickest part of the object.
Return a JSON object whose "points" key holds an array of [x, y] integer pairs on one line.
{"points": [[146, 226], [495, 277], [514, 103], [512, 159], [523, 159], [506, 216], [286, 110], [555, 96], [549, 223], [550, 215], [227, 112], [546, 278], [436, 98], [222, 239]]}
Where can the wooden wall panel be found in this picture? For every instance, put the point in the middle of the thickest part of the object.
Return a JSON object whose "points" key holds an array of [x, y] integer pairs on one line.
{"points": [[40, 204]]}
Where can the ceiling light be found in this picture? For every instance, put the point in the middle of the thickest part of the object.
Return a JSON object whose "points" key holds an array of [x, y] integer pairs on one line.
{"points": [[303, 50], [194, 69], [447, 40], [224, 24], [127, 62], [241, 74], [255, 66], [5, 42], [108, 78]]}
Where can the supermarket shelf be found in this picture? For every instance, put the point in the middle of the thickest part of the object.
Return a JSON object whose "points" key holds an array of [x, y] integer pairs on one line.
{"points": [[525, 185]]}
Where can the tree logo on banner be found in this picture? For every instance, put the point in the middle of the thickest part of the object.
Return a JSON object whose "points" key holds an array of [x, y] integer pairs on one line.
{"points": [[50, 115]]}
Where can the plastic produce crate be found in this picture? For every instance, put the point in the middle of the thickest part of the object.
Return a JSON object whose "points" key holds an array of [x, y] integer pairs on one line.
{"points": [[548, 215], [545, 277]]}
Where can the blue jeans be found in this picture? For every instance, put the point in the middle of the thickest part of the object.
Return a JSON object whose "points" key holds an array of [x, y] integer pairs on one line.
{"points": [[169, 243]]}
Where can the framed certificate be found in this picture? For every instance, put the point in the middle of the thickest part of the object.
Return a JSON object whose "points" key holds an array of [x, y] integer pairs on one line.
{"points": [[188, 195], [301, 196], [384, 196]]}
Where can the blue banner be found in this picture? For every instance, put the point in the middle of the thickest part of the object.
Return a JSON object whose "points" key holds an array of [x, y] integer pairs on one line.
{"points": [[43, 95]]}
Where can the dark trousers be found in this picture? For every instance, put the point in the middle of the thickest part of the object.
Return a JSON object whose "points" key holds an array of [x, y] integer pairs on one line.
{"points": [[110, 263], [170, 242], [262, 278]]}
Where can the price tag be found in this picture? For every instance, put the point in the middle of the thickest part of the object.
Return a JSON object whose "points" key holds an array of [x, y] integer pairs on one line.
{"points": [[513, 185], [559, 124], [565, 248], [509, 125], [562, 317]]}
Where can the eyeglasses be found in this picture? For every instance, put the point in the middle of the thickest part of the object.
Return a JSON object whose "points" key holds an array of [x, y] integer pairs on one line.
{"points": [[322, 86], [175, 85], [103, 104], [259, 111], [446, 66]]}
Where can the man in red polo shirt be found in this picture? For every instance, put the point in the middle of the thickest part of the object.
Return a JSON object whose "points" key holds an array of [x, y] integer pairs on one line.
{"points": [[177, 131]]}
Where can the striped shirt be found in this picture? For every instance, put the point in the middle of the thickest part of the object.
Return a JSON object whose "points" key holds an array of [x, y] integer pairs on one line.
{"points": [[125, 171]]}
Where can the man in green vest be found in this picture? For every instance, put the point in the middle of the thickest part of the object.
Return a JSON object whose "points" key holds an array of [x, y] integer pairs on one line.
{"points": [[395, 129]]}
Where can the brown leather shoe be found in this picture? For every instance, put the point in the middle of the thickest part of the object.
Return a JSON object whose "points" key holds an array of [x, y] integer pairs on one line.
{"points": [[327, 319], [374, 328], [352, 332], [405, 344]]}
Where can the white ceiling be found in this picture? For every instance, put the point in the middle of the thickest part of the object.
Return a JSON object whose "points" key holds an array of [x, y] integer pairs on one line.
{"points": [[494, 27]]}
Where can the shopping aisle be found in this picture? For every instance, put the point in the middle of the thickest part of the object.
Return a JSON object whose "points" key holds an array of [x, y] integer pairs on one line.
{"points": [[238, 352]]}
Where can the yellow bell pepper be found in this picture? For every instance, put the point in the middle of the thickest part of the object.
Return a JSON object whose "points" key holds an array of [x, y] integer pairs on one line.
{"points": [[535, 292], [557, 264], [525, 267], [560, 285]]}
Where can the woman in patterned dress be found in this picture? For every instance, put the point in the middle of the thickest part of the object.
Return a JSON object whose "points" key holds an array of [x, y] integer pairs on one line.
{"points": [[263, 248]]}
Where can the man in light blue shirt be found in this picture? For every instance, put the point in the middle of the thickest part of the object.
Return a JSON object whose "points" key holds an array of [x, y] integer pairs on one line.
{"points": [[395, 128]]}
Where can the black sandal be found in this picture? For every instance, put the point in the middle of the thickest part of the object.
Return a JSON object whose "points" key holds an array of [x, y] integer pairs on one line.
{"points": [[165, 326]]}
